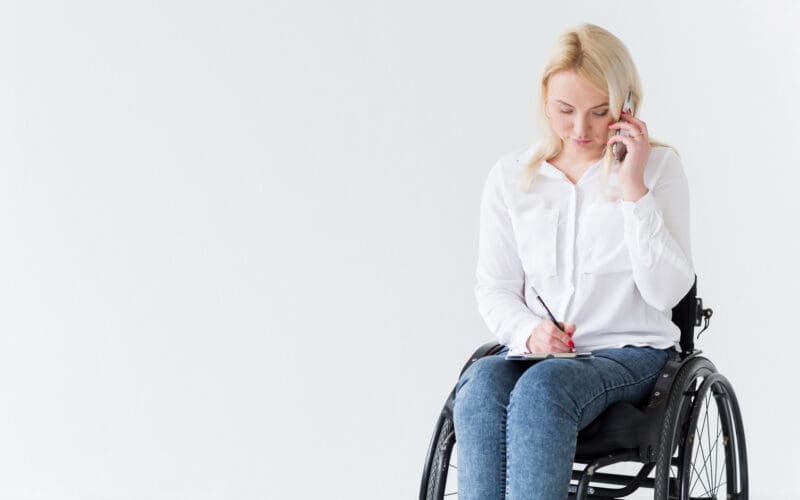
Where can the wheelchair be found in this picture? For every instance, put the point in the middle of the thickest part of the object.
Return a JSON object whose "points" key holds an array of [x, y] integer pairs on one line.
{"points": [[686, 439]]}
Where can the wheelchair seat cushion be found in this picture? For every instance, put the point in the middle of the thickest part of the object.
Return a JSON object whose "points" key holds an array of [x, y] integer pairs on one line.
{"points": [[617, 428]]}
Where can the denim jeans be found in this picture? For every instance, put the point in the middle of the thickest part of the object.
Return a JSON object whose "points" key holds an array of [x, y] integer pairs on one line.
{"points": [[517, 422]]}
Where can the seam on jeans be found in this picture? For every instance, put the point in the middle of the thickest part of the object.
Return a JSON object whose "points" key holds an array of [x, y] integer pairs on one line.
{"points": [[606, 391], [504, 468]]}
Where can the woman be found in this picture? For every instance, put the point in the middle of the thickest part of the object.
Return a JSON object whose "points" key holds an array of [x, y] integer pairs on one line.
{"points": [[606, 245]]}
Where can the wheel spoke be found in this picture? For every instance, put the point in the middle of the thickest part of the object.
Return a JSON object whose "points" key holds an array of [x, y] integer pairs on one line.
{"points": [[720, 478], [710, 445], [706, 459], [698, 478], [716, 455], [707, 485], [699, 442], [710, 473]]}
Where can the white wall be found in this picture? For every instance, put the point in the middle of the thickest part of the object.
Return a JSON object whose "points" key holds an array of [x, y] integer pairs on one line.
{"points": [[237, 240]]}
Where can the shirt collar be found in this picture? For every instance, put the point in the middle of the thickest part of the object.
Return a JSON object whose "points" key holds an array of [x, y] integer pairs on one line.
{"points": [[549, 170]]}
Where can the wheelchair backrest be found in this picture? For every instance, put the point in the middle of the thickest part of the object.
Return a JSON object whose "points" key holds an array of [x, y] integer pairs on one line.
{"points": [[685, 316]]}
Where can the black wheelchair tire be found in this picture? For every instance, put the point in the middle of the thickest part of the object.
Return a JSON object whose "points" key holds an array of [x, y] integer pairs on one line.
{"points": [[438, 463], [680, 421], [735, 454]]}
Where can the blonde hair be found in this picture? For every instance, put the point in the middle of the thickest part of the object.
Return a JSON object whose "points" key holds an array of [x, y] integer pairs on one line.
{"points": [[600, 58]]}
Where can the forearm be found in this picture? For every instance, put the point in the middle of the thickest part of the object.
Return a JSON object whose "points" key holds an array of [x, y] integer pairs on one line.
{"points": [[505, 313], [662, 270]]}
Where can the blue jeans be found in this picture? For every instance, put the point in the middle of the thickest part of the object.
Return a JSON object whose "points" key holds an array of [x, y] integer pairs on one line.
{"points": [[517, 423]]}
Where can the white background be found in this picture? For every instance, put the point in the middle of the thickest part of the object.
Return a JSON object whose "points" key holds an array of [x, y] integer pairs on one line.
{"points": [[238, 239]]}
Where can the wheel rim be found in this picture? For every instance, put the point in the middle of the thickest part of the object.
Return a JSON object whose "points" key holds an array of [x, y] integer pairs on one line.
{"points": [[706, 466]]}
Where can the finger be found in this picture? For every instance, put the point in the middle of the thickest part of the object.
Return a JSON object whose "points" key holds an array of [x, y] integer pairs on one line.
{"points": [[560, 334], [568, 329], [625, 139], [623, 125], [550, 345], [551, 342], [560, 345], [627, 115], [642, 126]]}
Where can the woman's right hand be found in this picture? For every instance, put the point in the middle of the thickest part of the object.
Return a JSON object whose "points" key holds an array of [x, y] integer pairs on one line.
{"points": [[546, 337]]}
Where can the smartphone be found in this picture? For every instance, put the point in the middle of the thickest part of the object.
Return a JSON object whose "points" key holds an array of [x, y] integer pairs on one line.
{"points": [[619, 149]]}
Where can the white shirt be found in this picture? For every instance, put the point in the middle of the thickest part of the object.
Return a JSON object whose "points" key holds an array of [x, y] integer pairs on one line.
{"points": [[614, 268]]}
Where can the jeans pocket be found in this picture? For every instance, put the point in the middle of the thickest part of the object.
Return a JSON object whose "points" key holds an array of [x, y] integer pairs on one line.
{"points": [[644, 361]]}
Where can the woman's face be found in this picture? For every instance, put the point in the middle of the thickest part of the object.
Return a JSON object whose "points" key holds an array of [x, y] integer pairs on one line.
{"points": [[579, 114]]}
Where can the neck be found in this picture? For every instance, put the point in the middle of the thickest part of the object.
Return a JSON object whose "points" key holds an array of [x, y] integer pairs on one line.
{"points": [[573, 161]]}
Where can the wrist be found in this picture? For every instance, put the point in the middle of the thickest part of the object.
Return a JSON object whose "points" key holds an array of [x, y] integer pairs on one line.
{"points": [[634, 193]]}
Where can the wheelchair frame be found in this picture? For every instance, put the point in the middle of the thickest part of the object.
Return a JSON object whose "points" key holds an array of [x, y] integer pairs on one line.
{"points": [[664, 424]]}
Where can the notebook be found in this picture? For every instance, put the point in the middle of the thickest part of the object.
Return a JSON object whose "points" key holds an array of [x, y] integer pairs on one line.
{"points": [[546, 355]]}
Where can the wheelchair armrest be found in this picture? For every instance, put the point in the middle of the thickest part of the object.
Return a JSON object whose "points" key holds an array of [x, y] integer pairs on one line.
{"points": [[487, 349], [664, 383]]}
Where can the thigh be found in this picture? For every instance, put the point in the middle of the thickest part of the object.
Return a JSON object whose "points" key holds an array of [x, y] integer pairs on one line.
{"points": [[585, 387], [490, 376], [627, 374]]}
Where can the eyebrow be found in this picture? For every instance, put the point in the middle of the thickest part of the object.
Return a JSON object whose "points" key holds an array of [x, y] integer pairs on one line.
{"points": [[570, 105]]}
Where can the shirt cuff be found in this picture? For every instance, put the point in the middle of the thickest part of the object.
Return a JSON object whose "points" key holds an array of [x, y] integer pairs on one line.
{"points": [[518, 344], [640, 208]]}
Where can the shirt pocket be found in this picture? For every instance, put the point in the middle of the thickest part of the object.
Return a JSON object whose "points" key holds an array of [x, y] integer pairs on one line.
{"points": [[536, 232], [604, 247]]}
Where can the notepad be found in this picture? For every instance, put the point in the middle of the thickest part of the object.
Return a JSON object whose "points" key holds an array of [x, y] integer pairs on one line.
{"points": [[546, 355]]}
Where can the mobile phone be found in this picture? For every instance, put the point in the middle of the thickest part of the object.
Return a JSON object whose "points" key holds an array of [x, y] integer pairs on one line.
{"points": [[618, 148]]}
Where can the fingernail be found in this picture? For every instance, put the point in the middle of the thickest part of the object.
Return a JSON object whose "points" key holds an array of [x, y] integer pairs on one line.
{"points": [[572, 344]]}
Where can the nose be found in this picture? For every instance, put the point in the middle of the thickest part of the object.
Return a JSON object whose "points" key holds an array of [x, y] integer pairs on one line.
{"points": [[582, 126]]}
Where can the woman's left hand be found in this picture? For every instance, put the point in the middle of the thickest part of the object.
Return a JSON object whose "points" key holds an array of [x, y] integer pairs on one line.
{"points": [[631, 169]]}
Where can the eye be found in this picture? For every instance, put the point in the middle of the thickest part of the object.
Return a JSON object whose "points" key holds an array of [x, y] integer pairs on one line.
{"points": [[604, 113], [566, 111]]}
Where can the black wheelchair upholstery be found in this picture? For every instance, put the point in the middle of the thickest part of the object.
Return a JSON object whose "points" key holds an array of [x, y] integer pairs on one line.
{"points": [[649, 433]]}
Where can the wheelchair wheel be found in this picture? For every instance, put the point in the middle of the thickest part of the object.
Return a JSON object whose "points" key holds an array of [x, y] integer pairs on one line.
{"points": [[440, 478], [702, 453]]}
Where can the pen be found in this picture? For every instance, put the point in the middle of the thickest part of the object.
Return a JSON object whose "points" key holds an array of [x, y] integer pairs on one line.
{"points": [[553, 318]]}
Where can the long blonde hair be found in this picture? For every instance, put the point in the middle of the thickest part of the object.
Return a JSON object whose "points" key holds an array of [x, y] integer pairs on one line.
{"points": [[600, 58]]}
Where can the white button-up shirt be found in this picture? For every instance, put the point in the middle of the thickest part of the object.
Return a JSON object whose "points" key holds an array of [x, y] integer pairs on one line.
{"points": [[614, 268]]}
